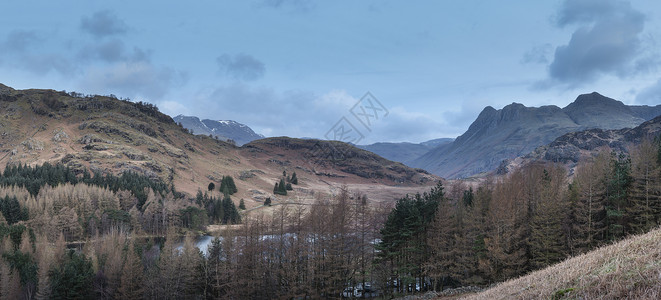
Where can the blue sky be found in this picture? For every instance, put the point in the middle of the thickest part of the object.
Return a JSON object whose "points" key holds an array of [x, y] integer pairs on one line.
{"points": [[296, 67]]}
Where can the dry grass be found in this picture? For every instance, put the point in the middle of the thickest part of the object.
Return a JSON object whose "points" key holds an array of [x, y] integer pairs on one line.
{"points": [[629, 269]]}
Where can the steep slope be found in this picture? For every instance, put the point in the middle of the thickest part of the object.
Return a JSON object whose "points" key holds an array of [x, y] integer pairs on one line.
{"points": [[332, 159], [495, 135], [404, 152], [596, 111], [570, 147], [629, 269], [223, 129], [516, 130], [109, 135]]}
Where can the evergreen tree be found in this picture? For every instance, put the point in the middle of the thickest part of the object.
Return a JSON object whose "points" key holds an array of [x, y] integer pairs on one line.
{"points": [[73, 279], [619, 183], [267, 202], [282, 187], [211, 186], [404, 241], [468, 197], [547, 239], [131, 282], [644, 193], [294, 179], [215, 266], [231, 214], [227, 183], [288, 187], [587, 197], [242, 204]]}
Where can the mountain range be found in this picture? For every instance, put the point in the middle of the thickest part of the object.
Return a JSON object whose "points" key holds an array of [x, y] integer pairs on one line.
{"points": [[223, 129], [516, 130], [404, 152], [104, 134], [569, 148]]}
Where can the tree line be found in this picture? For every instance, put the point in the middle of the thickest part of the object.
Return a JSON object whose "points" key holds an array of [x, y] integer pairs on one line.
{"points": [[300, 252], [530, 219], [449, 236]]}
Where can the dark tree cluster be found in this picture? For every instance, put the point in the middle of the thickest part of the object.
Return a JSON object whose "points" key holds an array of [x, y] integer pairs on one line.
{"points": [[34, 178], [219, 210], [528, 220], [227, 185]]}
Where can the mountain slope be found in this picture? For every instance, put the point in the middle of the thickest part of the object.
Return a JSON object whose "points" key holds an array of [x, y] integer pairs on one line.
{"points": [[334, 159], [224, 129], [516, 130], [403, 152], [570, 147], [628, 269], [104, 134]]}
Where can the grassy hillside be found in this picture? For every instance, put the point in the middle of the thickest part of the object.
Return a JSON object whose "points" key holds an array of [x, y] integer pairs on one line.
{"points": [[628, 269], [101, 133]]}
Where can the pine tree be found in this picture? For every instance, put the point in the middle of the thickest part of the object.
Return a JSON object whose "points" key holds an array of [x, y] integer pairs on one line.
{"points": [[231, 214], [131, 282], [215, 267], [644, 192], [547, 238], [242, 204], [282, 187], [294, 179], [190, 274], [267, 202], [211, 186], [588, 196], [73, 278], [227, 184], [619, 183]]}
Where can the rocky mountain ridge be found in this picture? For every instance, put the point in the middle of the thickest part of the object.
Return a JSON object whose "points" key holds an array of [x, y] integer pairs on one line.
{"points": [[223, 129], [516, 130]]}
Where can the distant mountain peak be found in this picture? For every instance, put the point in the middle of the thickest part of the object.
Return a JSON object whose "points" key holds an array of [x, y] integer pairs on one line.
{"points": [[516, 130], [224, 129], [593, 99]]}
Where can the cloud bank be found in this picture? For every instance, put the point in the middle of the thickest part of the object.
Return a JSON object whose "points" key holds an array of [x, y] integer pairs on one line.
{"points": [[607, 41], [241, 66]]}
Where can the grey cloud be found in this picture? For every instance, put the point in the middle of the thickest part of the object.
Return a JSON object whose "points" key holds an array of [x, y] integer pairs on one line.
{"points": [[45, 63], [20, 40], [110, 51], [299, 113], [134, 79], [241, 66], [103, 23], [538, 54], [606, 42], [305, 114], [18, 48], [113, 50], [585, 11], [650, 95]]}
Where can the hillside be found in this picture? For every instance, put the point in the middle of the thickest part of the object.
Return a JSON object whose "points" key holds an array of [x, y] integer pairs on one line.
{"points": [[334, 159], [109, 135], [516, 130], [570, 147], [223, 129], [628, 269]]}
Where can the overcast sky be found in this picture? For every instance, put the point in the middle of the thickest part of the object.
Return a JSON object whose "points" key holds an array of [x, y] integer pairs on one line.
{"points": [[298, 67]]}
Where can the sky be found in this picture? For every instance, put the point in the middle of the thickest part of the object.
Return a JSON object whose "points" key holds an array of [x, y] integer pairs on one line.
{"points": [[376, 71]]}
